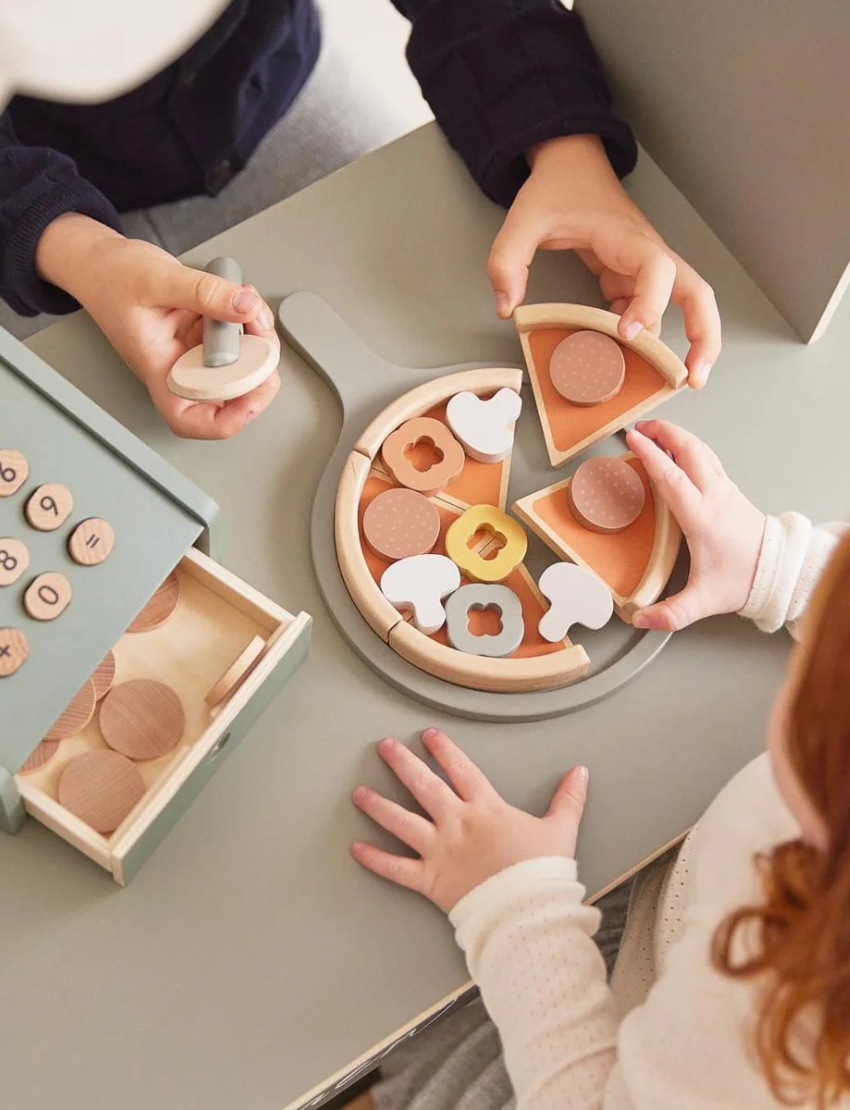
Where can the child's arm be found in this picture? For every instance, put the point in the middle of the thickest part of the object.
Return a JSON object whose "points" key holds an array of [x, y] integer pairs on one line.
{"points": [[764, 568]]}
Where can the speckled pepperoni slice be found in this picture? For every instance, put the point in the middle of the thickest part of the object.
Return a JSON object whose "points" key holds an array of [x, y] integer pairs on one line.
{"points": [[587, 368], [401, 523], [606, 495]]}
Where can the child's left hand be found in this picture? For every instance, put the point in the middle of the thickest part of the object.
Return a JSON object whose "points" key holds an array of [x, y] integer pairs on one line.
{"points": [[472, 832]]}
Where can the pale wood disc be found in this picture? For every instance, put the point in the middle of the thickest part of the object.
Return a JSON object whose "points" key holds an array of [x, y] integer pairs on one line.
{"points": [[143, 719], [236, 672], [14, 560], [13, 651], [76, 716], [101, 788], [189, 377], [14, 471], [49, 507], [43, 753], [104, 675], [160, 607], [48, 596], [91, 542]]}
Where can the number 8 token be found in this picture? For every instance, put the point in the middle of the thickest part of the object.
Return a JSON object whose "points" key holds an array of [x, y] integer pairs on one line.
{"points": [[14, 560]]}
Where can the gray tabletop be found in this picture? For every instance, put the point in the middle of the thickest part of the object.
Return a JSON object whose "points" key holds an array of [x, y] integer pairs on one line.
{"points": [[250, 958]]}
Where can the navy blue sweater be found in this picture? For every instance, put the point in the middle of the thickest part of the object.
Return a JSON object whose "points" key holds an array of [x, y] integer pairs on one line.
{"points": [[500, 75]]}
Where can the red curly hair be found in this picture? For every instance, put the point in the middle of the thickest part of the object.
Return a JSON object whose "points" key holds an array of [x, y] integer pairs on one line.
{"points": [[801, 954]]}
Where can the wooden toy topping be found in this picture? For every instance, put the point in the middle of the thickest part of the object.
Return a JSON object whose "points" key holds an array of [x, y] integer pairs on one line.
{"points": [[48, 596], [485, 428], [14, 471], [576, 597], [160, 607], [142, 719], [49, 507], [485, 596], [44, 752], [587, 368], [104, 676], [235, 674], [503, 528], [400, 523], [606, 494], [418, 585], [446, 461], [13, 651], [76, 715], [101, 788], [14, 560], [91, 542]]}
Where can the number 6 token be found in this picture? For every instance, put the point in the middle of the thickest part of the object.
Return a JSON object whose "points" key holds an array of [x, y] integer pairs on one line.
{"points": [[13, 471], [49, 507]]}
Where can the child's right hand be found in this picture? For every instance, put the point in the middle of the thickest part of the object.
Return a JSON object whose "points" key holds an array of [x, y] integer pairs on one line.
{"points": [[151, 308], [722, 528]]}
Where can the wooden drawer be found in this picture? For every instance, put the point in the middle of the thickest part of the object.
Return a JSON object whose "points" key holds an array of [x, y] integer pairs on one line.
{"points": [[216, 617]]}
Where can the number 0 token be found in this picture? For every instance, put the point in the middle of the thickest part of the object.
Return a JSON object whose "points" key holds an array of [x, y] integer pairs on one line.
{"points": [[49, 507], [47, 596]]}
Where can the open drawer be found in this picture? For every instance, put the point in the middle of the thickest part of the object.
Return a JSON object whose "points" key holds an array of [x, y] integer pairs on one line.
{"points": [[216, 618]]}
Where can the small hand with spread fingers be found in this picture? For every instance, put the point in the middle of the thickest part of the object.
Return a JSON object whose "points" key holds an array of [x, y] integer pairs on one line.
{"points": [[470, 832], [723, 529]]}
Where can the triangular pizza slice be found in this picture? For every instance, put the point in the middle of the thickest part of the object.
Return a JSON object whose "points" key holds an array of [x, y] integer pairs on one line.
{"points": [[589, 383]]}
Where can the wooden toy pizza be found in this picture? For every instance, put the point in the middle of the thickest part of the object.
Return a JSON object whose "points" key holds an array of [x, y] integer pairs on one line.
{"points": [[427, 570]]}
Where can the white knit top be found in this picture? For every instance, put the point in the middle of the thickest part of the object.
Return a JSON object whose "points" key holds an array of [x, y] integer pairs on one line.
{"points": [[671, 1032]]}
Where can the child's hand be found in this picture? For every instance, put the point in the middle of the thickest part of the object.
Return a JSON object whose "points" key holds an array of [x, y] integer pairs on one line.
{"points": [[150, 308], [472, 833], [573, 201], [722, 528]]}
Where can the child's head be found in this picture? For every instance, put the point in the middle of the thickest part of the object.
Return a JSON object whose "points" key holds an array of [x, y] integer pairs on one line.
{"points": [[798, 939]]}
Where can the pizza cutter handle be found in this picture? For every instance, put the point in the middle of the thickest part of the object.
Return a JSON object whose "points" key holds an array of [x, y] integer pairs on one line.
{"points": [[221, 340]]}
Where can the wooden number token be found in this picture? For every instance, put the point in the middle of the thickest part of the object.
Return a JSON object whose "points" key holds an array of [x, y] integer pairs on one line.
{"points": [[75, 717], [418, 585], [104, 676], [486, 518], [14, 560], [44, 752], [587, 368], [400, 523], [606, 494], [159, 608], [485, 596], [449, 456], [14, 471], [48, 596], [13, 651], [232, 678], [142, 719], [101, 788], [575, 596], [49, 507], [91, 542], [485, 428]]}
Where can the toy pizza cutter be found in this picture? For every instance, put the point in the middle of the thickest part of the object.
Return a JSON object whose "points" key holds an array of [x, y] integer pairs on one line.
{"points": [[228, 363]]}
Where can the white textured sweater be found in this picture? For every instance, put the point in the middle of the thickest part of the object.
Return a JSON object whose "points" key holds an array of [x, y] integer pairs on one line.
{"points": [[682, 1043]]}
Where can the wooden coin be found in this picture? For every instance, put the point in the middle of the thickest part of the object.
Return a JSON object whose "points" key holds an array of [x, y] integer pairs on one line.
{"points": [[75, 716], [91, 542], [14, 471], [606, 494], [48, 596], [43, 753], [236, 672], [400, 523], [13, 651], [14, 560], [49, 507], [101, 788], [104, 675], [142, 718], [587, 368], [159, 608]]}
